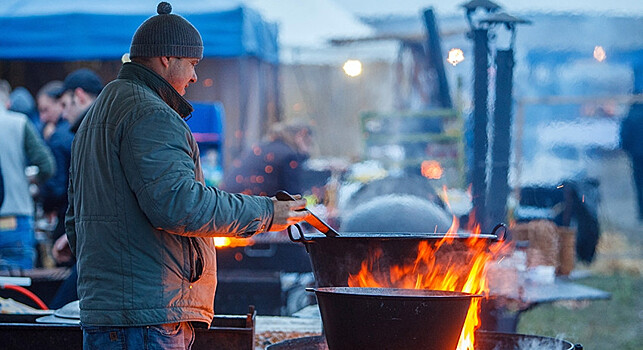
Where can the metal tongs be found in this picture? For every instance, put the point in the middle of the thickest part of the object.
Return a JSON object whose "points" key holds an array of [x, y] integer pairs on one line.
{"points": [[312, 219]]}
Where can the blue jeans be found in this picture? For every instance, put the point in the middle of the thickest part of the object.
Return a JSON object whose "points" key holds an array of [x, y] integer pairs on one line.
{"points": [[17, 242], [171, 336]]}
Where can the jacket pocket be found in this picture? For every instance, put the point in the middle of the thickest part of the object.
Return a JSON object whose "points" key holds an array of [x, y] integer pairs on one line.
{"points": [[196, 260], [166, 329]]}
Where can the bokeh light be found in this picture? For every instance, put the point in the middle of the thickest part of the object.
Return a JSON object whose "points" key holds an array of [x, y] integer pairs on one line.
{"points": [[352, 68], [455, 56]]}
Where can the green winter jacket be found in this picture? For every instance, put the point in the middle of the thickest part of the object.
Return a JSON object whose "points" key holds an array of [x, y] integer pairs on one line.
{"points": [[140, 219]]}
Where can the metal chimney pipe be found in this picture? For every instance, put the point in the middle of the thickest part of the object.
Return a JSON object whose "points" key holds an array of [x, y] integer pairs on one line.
{"points": [[436, 60], [480, 121], [501, 142]]}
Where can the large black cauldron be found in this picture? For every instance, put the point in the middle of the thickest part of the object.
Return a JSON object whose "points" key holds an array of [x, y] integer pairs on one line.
{"points": [[335, 258], [484, 341]]}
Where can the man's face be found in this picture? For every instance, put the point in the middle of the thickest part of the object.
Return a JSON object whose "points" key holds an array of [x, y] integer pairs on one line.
{"points": [[49, 109], [181, 73], [71, 109]]}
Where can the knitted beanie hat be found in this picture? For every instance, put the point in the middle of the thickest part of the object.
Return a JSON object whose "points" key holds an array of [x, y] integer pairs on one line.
{"points": [[166, 34]]}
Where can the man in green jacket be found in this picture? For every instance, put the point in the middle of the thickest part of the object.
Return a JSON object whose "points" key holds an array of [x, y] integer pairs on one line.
{"points": [[140, 219]]}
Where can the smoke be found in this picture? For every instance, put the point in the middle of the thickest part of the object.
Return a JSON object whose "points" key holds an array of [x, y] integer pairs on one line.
{"points": [[531, 343], [537, 344]]}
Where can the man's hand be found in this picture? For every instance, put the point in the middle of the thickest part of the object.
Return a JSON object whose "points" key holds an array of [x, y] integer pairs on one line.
{"points": [[61, 250], [286, 214]]}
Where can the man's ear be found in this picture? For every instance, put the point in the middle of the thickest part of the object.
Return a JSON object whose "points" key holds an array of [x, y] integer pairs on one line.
{"points": [[165, 61], [80, 94]]}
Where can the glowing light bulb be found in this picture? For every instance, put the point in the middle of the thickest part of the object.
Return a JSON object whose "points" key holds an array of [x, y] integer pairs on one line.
{"points": [[352, 68]]}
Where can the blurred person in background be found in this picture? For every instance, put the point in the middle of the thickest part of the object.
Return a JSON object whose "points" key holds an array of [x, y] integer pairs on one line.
{"points": [[274, 164], [140, 219], [58, 136], [20, 146], [79, 91], [23, 102], [50, 108], [632, 144]]}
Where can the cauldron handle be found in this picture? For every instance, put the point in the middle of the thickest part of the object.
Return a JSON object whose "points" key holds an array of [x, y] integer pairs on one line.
{"points": [[312, 219], [504, 231], [301, 239]]}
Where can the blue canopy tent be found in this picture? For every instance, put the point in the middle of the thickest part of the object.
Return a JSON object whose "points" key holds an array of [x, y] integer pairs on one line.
{"points": [[43, 40], [90, 30]]}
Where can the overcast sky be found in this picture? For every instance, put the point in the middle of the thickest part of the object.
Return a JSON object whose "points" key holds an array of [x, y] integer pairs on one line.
{"points": [[444, 7], [311, 22]]}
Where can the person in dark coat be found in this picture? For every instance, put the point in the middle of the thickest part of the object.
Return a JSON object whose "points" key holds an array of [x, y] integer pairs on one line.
{"points": [[273, 165], [53, 193], [73, 97], [631, 142], [58, 137], [77, 93]]}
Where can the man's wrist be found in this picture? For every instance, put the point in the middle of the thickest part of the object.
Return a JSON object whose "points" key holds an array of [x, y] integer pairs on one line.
{"points": [[272, 217]]}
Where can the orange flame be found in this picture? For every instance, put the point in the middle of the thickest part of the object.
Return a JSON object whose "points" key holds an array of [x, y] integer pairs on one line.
{"points": [[231, 242], [449, 264]]}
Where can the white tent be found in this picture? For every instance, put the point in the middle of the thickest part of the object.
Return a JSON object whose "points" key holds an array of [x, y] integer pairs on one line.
{"points": [[306, 26], [411, 7], [309, 23]]}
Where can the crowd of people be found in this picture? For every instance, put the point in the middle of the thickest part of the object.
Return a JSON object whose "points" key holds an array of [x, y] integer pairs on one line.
{"points": [[39, 131]]}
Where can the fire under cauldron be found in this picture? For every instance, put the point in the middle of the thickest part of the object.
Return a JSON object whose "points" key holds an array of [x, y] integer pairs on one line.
{"points": [[484, 341]]}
